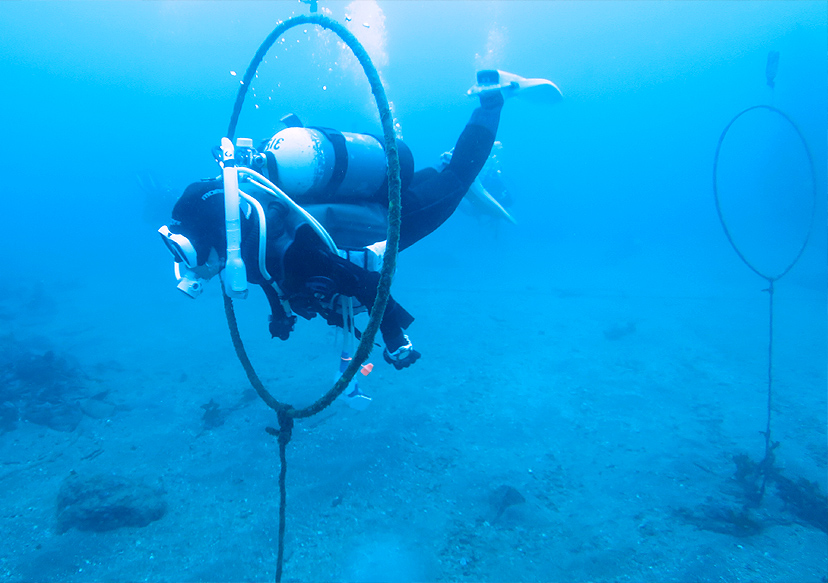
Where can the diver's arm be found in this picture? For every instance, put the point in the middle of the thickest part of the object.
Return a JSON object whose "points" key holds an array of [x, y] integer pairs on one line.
{"points": [[354, 281]]}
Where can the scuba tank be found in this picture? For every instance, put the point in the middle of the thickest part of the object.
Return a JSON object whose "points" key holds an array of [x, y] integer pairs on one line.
{"points": [[322, 165]]}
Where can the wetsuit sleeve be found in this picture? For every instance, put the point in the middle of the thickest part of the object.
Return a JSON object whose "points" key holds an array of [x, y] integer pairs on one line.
{"points": [[395, 319], [348, 279], [361, 284]]}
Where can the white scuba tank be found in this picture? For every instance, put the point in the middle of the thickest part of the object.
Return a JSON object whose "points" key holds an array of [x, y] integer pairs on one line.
{"points": [[309, 164]]}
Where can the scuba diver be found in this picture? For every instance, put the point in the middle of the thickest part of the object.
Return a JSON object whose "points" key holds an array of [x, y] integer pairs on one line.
{"points": [[316, 246]]}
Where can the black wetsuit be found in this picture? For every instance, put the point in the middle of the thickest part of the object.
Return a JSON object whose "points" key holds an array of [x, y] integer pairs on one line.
{"points": [[306, 272]]}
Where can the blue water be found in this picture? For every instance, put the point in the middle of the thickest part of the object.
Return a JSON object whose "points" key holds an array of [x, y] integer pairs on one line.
{"points": [[606, 356]]}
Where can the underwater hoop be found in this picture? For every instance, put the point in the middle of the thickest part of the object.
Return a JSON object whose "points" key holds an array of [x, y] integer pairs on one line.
{"points": [[728, 234], [766, 465], [394, 187]]}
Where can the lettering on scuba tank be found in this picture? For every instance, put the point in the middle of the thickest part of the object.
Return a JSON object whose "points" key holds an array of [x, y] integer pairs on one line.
{"points": [[207, 195]]}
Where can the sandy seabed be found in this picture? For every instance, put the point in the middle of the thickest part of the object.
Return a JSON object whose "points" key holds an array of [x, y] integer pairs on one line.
{"points": [[616, 416]]}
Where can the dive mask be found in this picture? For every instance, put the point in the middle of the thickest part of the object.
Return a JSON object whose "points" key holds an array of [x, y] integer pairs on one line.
{"points": [[180, 246], [191, 277]]}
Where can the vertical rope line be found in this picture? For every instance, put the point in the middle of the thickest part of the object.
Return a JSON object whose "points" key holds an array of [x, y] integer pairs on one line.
{"points": [[770, 366], [280, 545], [767, 463], [282, 505]]}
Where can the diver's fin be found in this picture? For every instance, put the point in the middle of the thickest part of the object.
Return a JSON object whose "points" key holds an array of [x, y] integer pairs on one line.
{"points": [[292, 120], [356, 399], [510, 85], [479, 196]]}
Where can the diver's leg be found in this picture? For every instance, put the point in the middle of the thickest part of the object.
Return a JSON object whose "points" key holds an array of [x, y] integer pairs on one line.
{"points": [[475, 143], [429, 204]]}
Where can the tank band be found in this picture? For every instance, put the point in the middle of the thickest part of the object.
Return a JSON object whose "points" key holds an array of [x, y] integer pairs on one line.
{"points": [[340, 160], [272, 167]]}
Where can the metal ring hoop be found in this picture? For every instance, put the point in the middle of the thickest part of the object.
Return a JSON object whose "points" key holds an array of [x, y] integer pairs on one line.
{"points": [[718, 200], [394, 209]]}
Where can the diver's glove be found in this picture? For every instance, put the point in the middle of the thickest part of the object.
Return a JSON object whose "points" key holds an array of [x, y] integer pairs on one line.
{"points": [[402, 357], [282, 327]]}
